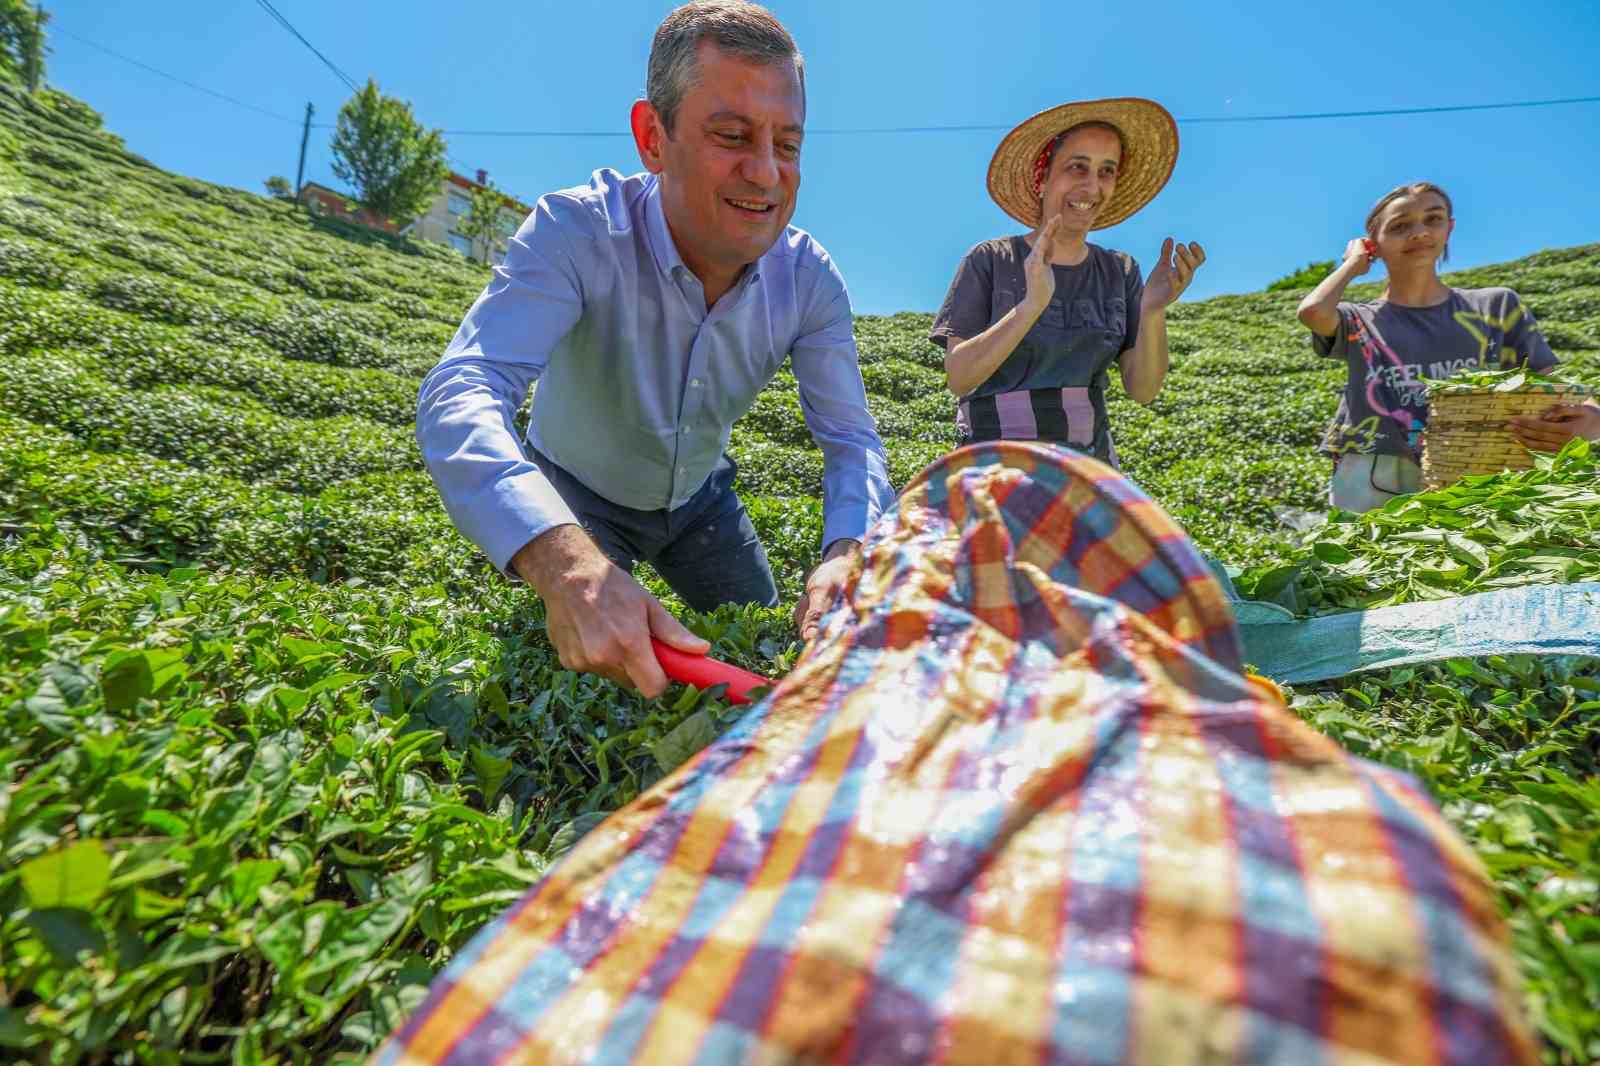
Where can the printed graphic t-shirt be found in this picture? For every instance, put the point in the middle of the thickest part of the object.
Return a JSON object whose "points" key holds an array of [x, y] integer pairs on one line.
{"points": [[1390, 350], [1054, 383]]}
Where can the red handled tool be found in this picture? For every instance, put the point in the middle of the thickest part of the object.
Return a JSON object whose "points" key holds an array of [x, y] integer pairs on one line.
{"points": [[701, 672]]}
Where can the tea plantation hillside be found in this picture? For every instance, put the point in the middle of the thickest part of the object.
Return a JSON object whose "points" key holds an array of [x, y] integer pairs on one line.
{"points": [[276, 741]]}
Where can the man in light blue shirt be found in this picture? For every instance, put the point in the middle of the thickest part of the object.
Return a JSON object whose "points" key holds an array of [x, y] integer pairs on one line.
{"points": [[651, 310]]}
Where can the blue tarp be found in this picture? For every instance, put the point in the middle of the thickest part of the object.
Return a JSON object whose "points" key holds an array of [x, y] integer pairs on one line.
{"points": [[1533, 619]]}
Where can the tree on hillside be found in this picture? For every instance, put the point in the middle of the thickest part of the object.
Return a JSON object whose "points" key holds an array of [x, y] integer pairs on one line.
{"points": [[485, 223], [22, 47], [392, 163], [1304, 278], [279, 186]]}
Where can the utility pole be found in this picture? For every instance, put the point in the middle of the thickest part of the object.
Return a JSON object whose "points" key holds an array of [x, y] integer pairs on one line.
{"points": [[35, 47], [300, 171]]}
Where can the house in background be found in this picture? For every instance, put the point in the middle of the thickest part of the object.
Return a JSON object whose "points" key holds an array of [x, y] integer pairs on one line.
{"points": [[334, 204], [440, 223]]}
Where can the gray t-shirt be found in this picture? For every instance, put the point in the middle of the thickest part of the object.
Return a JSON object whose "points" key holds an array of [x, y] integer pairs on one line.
{"points": [[1390, 350], [1092, 319]]}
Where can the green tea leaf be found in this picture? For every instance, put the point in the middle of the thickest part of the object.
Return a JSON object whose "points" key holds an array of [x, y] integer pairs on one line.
{"points": [[75, 876], [125, 680], [246, 880], [69, 934], [492, 698], [1330, 552], [685, 741], [573, 831], [492, 770], [304, 651]]}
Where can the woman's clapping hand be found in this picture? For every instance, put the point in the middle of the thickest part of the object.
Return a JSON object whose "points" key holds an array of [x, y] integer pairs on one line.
{"points": [[1037, 267], [1172, 274]]}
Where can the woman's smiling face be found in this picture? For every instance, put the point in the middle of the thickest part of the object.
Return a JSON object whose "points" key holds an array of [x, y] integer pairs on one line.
{"points": [[1081, 178]]}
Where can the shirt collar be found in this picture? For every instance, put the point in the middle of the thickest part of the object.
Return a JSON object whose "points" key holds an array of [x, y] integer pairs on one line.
{"points": [[655, 222], [666, 251]]}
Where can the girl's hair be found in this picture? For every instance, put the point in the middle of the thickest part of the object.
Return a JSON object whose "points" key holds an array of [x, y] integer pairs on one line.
{"points": [[1041, 165], [1416, 188]]}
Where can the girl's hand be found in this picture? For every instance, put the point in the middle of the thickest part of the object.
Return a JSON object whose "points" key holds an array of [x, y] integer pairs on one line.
{"points": [[1172, 274], [1358, 256], [1037, 269], [1550, 431]]}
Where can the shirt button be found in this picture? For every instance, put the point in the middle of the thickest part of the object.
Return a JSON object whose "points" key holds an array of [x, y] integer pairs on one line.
{"points": [[684, 431], [695, 382], [683, 471]]}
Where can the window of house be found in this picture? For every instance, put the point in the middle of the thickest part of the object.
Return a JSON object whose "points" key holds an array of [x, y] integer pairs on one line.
{"points": [[460, 244], [458, 204]]}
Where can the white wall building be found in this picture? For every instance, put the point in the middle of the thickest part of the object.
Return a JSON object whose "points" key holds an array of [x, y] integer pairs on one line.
{"points": [[441, 222]]}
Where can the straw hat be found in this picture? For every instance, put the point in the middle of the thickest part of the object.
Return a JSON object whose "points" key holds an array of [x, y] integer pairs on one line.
{"points": [[1150, 150]]}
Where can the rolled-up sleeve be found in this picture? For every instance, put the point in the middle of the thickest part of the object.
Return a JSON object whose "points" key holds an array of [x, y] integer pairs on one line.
{"points": [[855, 474], [495, 496], [965, 312], [1133, 300], [1338, 345]]}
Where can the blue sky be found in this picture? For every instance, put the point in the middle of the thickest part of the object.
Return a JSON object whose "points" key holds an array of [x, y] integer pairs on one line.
{"points": [[898, 210]]}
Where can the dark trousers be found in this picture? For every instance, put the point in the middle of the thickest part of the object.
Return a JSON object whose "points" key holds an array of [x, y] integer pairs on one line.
{"points": [[707, 549]]}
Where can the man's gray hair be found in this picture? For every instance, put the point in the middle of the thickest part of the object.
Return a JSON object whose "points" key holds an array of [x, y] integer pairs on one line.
{"points": [[740, 29]]}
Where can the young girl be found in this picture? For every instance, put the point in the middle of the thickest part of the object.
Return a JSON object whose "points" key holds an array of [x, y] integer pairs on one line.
{"points": [[1418, 328], [1033, 322]]}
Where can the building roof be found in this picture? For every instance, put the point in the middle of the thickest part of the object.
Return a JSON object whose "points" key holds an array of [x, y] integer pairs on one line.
{"points": [[467, 183], [340, 206]]}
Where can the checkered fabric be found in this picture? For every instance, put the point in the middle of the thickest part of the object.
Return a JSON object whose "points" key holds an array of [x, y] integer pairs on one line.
{"points": [[1015, 805]]}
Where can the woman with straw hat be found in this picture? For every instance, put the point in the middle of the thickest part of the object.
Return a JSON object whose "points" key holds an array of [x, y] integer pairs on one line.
{"points": [[1033, 322]]}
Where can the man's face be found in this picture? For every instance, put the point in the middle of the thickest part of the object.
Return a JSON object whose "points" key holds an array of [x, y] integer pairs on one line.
{"points": [[731, 167]]}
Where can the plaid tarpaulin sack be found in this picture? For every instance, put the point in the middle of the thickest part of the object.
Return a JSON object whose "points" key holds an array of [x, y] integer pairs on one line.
{"points": [[1016, 804]]}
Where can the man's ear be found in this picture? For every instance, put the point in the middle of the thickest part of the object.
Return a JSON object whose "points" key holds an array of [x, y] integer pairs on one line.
{"points": [[649, 134]]}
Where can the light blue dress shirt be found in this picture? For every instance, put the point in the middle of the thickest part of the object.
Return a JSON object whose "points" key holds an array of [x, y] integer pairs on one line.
{"points": [[638, 383]]}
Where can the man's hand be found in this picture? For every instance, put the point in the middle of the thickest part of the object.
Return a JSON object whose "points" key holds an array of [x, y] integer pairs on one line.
{"points": [[823, 583], [1172, 274], [1550, 431], [598, 617]]}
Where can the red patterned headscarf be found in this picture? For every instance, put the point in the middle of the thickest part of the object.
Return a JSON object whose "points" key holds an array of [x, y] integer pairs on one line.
{"points": [[1041, 165]]}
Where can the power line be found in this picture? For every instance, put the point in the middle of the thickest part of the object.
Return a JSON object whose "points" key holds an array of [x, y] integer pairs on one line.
{"points": [[587, 134], [175, 78], [576, 134], [285, 23], [1202, 120], [1397, 111]]}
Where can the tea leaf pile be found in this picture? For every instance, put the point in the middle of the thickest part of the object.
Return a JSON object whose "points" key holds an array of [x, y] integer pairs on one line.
{"points": [[1486, 532]]}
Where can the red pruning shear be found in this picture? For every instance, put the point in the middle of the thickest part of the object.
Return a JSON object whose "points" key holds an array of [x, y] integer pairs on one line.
{"points": [[702, 672]]}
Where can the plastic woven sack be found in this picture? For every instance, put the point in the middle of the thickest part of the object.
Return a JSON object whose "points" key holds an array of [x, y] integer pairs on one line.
{"points": [[1015, 805]]}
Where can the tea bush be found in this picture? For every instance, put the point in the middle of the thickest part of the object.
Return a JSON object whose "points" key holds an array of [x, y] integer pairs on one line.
{"points": [[275, 741]]}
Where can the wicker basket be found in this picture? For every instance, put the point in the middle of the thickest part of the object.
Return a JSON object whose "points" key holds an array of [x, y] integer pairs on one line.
{"points": [[1467, 428]]}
